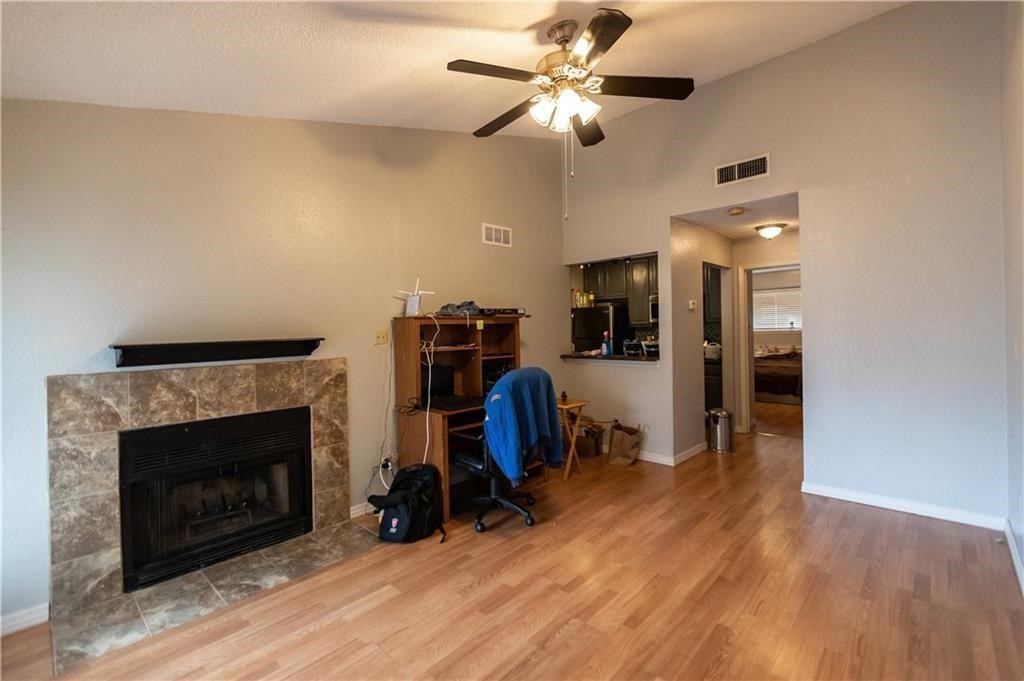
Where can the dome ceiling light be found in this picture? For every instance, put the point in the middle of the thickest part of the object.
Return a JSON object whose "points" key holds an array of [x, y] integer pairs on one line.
{"points": [[771, 230]]}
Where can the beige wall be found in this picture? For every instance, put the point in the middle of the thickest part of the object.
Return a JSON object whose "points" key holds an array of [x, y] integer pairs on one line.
{"points": [[132, 225], [692, 246], [868, 136], [1013, 249], [776, 278]]}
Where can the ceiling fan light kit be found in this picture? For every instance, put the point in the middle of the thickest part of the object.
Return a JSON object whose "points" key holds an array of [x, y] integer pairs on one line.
{"points": [[566, 79], [556, 112]]}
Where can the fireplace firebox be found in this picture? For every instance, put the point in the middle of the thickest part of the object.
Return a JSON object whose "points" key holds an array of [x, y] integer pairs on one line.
{"points": [[197, 493]]}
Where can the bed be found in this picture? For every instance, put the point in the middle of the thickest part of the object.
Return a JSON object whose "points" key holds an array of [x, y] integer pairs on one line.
{"points": [[778, 377]]}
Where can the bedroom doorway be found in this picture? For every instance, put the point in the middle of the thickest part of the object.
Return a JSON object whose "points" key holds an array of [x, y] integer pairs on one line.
{"points": [[776, 342]]}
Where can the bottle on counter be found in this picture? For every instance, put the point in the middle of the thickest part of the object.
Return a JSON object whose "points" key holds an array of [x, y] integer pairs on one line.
{"points": [[606, 345]]}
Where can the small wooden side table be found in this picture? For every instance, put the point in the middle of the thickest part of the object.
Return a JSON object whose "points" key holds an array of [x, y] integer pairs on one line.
{"points": [[564, 409]]}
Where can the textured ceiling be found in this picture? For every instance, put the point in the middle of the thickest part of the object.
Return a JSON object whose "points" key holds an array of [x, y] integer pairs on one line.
{"points": [[784, 208], [372, 63]]}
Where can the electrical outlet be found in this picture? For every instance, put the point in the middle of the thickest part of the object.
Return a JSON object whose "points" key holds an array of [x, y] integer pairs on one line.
{"points": [[380, 337]]}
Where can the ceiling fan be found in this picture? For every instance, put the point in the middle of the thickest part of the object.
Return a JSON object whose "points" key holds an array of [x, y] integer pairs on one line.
{"points": [[566, 77]]}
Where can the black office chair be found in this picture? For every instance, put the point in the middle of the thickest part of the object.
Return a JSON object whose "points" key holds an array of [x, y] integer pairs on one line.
{"points": [[482, 465], [522, 414]]}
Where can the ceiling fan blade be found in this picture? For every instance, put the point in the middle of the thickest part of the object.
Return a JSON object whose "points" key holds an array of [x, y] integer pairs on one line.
{"points": [[504, 119], [647, 86], [480, 69], [606, 26], [589, 134]]}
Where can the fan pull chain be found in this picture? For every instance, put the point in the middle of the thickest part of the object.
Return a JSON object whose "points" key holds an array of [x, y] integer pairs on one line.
{"points": [[565, 180], [572, 156]]}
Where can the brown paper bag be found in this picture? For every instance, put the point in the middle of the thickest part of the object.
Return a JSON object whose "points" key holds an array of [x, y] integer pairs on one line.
{"points": [[625, 445]]}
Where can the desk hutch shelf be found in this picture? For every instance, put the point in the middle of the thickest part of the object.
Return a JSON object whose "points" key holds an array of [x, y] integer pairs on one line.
{"points": [[479, 350]]}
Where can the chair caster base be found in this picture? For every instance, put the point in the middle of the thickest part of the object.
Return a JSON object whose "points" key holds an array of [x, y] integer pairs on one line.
{"points": [[529, 520], [479, 526]]}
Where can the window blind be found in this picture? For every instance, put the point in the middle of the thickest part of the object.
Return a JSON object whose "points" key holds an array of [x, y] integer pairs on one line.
{"points": [[777, 310]]}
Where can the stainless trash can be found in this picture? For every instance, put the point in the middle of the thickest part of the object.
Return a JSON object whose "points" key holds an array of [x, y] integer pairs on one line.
{"points": [[721, 430]]}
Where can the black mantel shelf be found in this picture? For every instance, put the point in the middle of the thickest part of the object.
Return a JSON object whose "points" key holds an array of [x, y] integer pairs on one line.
{"points": [[150, 354]]}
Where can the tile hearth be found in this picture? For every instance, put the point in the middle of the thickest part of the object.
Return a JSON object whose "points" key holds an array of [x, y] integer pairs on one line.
{"points": [[128, 618]]}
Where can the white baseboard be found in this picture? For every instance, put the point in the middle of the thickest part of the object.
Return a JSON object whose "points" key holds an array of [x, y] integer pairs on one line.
{"points": [[23, 619], [655, 457], [693, 451], [673, 459], [1018, 560], [365, 508], [955, 515]]}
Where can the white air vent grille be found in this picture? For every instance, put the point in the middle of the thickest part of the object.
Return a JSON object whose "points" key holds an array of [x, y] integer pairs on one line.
{"points": [[493, 235], [742, 170]]}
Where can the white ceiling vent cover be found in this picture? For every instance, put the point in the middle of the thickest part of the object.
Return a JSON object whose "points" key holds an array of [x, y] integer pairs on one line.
{"points": [[493, 235], [740, 171]]}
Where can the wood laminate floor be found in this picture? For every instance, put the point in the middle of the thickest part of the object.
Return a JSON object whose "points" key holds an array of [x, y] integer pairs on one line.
{"points": [[779, 419], [718, 568]]}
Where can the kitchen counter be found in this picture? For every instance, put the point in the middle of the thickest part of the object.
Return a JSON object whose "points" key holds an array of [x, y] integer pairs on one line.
{"points": [[619, 358]]}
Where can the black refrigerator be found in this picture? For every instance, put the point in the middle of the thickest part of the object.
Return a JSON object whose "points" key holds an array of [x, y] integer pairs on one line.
{"points": [[590, 323]]}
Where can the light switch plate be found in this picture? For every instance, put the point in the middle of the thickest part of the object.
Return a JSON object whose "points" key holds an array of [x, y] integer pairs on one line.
{"points": [[380, 337]]}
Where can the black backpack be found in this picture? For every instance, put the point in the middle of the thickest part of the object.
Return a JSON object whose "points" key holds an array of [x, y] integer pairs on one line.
{"points": [[411, 510]]}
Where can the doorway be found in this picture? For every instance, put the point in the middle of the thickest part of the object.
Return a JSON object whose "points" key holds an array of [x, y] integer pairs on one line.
{"points": [[776, 345], [731, 244], [714, 345]]}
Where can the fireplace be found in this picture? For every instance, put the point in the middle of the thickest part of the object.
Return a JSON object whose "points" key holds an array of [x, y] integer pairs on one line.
{"points": [[197, 493]]}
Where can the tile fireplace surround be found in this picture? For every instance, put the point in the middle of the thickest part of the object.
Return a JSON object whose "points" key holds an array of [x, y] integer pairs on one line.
{"points": [[89, 613]]}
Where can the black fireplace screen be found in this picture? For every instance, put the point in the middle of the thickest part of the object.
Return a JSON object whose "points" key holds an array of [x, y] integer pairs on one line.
{"points": [[196, 493]]}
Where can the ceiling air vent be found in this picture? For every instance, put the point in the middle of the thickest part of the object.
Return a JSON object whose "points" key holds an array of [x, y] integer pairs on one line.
{"points": [[741, 170], [493, 235]]}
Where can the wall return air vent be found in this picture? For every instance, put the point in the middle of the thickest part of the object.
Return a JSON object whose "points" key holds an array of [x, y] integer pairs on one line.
{"points": [[742, 170], [493, 235]]}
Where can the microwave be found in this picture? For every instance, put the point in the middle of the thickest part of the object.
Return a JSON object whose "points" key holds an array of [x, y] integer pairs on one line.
{"points": [[653, 308]]}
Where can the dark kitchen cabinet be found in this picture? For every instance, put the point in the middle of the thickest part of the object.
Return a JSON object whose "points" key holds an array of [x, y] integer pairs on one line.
{"points": [[606, 279], [639, 296], [614, 279], [592, 279], [652, 273]]}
